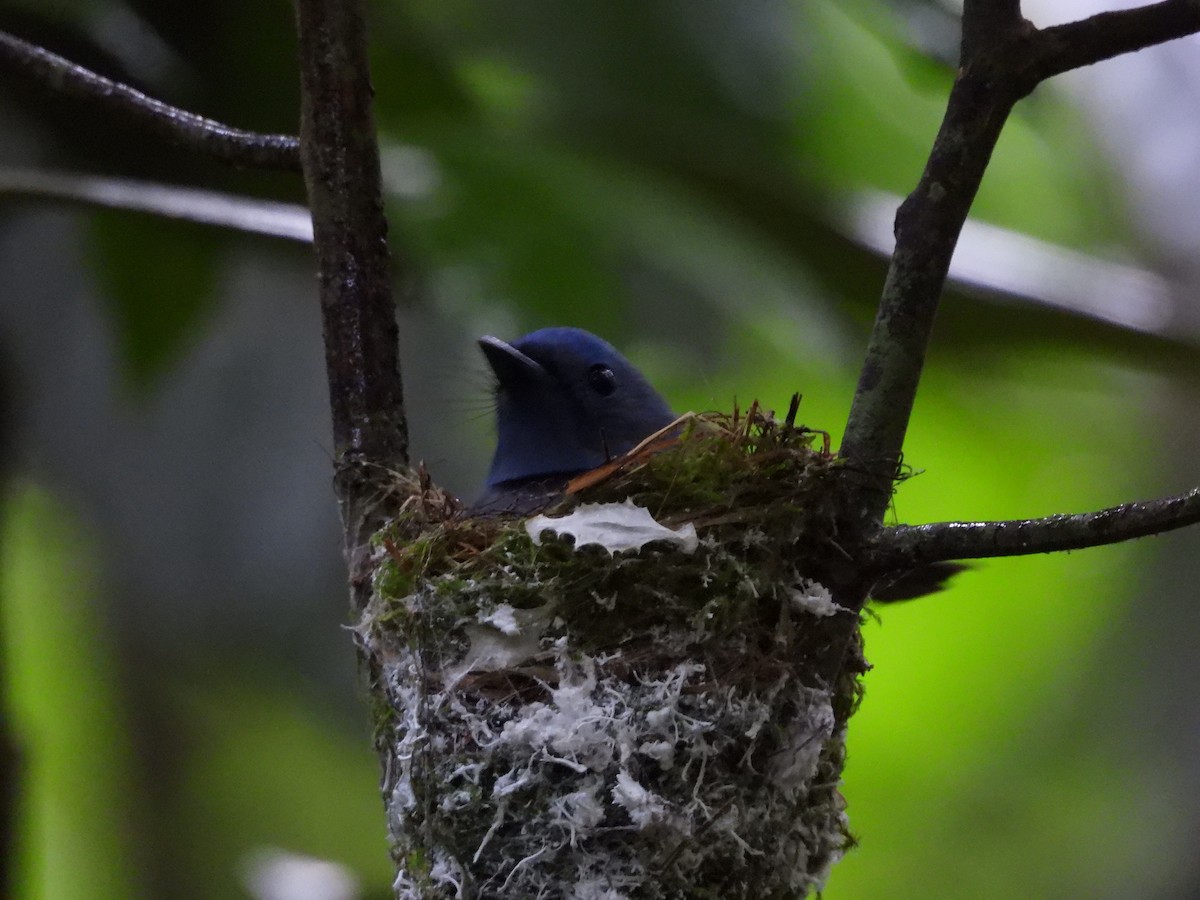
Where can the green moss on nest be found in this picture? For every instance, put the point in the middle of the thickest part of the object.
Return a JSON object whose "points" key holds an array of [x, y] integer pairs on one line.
{"points": [[651, 724]]}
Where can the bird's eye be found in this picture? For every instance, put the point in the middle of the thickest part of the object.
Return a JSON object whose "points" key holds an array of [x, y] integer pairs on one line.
{"points": [[602, 379]]}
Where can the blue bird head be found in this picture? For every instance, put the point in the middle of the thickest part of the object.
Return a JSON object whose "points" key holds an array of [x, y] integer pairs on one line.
{"points": [[566, 402]]}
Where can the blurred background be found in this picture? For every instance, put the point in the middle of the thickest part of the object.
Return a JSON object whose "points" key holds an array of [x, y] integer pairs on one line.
{"points": [[707, 183]]}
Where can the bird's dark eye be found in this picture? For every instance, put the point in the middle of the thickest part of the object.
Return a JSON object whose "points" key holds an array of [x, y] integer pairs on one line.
{"points": [[602, 379]]}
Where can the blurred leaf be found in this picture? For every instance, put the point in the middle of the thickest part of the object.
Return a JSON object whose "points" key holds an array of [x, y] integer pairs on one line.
{"points": [[267, 770], [969, 740], [74, 11], [74, 834], [877, 107], [159, 278], [579, 239], [415, 74], [500, 214]]}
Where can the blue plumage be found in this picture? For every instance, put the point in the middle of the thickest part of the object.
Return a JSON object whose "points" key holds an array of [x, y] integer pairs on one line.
{"points": [[566, 402]]}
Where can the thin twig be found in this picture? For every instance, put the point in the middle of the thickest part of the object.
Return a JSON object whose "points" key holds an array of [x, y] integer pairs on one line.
{"points": [[231, 145], [905, 546], [251, 215]]}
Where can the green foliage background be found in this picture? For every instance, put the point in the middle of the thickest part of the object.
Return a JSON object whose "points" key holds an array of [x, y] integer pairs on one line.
{"points": [[666, 174]]}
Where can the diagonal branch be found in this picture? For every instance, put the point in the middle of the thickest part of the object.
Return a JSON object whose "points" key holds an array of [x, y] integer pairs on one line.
{"points": [[231, 145], [927, 228], [1003, 58], [906, 546], [249, 215], [1064, 47]]}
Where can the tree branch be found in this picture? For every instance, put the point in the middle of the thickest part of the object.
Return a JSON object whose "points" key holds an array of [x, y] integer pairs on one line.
{"points": [[1064, 47], [927, 228], [1003, 58], [341, 169], [250, 215], [231, 145], [984, 22], [906, 546]]}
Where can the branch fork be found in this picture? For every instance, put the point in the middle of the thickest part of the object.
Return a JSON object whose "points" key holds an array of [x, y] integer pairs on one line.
{"points": [[1004, 57]]}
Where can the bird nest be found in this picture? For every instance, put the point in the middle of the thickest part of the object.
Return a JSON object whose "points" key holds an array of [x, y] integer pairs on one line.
{"points": [[581, 721]]}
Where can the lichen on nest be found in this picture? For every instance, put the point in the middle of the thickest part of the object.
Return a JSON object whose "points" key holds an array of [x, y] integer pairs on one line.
{"points": [[566, 722]]}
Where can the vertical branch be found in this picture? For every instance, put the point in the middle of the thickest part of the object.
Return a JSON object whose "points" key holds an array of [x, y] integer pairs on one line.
{"points": [[927, 228], [340, 158]]}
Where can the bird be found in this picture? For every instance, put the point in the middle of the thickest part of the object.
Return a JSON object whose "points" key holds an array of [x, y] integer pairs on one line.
{"points": [[567, 402]]}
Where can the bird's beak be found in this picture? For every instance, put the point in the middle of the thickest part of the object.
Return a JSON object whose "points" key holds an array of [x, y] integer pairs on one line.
{"points": [[510, 364]]}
